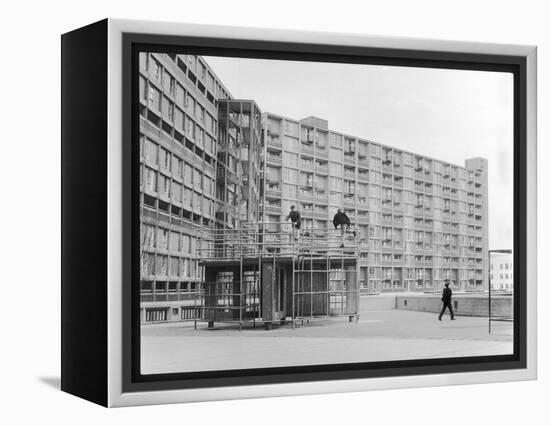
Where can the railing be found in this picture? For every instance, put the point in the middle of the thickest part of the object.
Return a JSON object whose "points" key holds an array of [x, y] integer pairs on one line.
{"points": [[254, 239]]}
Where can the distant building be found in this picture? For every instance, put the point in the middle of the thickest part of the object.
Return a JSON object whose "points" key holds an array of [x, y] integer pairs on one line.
{"points": [[502, 271]]}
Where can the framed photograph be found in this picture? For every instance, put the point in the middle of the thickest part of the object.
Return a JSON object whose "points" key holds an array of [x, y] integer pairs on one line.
{"points": [[253, 213]]}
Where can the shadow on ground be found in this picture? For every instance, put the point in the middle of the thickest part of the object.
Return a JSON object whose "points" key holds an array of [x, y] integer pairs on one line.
{"points": [[53, 382]]}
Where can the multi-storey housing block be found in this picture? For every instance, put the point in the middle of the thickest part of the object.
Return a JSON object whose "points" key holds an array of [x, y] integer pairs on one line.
{"points": [[199, 168], [421, 221]]}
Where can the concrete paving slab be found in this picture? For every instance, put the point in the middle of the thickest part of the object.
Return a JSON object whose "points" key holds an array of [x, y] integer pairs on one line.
{"points": [[378, 336]]}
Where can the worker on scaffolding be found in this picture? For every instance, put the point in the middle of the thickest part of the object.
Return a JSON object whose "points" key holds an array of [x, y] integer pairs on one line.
{"points": [[296, 221], [341, 219]]}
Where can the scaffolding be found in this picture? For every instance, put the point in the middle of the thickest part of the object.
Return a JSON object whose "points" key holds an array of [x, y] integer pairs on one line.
{"points": [[269, 272]]}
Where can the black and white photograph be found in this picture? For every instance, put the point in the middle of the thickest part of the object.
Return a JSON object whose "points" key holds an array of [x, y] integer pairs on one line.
{"points": [[299, 213], [293, 212]]}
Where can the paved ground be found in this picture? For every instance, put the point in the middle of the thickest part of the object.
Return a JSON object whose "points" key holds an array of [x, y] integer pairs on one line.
{"points": [[378, 336]]}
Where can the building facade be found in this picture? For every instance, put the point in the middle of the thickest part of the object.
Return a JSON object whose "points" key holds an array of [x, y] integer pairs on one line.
{"points": [[501, 270], [199, 169], [420, 220], [209, 161]]}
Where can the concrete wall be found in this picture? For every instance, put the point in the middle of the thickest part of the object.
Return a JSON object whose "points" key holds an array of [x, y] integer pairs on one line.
{"points": [[377, 302], [463, 304]]}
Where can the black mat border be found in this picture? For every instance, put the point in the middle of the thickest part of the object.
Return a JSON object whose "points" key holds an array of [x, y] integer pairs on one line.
{"points": [[133, 43]]}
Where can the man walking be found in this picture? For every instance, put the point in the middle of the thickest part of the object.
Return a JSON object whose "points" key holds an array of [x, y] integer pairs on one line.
{"points": [[446, 299], [296, 221], [341, 219]]}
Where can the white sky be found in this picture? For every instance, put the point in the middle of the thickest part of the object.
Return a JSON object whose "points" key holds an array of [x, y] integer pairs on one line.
{"points": [[449, 115]]}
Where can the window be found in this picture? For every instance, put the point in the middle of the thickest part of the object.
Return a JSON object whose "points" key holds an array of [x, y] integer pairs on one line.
{"points": [[290, 176], [290, 144], [162, 235], [170, 112], [164, 185], [177, 167], [176, 192], [154, 98], [290, 160], [165, 159], [151, 180], [335, 140], [335, 169], [148, 236], [335, 154], [189, 128], [174, 241], [157, 70], [142, 89], [291, 128], [151, 152], [349, 187], [306, 179], [169, 83], [335, 184], [143, 60]]}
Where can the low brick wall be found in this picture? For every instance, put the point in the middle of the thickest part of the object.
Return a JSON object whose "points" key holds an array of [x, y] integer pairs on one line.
{"points": [[463, 304]]}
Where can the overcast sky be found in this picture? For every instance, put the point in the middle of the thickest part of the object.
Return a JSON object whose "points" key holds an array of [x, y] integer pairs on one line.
{"points": [[446, 114]]}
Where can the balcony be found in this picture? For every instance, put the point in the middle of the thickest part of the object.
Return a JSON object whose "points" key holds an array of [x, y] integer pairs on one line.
{"points": [[306, 166], [321, 153], [278, 160], [363, 175], [349, 200], [306, 148], [321, 168], [306, 191], [273, 208], [349, 173], [363, 219], [273, 192], [322, 194], [349, 158], [398, 246], [387, 220], [398, 219], [273, 131]]}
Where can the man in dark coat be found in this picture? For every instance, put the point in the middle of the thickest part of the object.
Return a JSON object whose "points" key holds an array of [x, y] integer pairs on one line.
{"points": [[446, 299], [296, 221], [341, 219]]}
